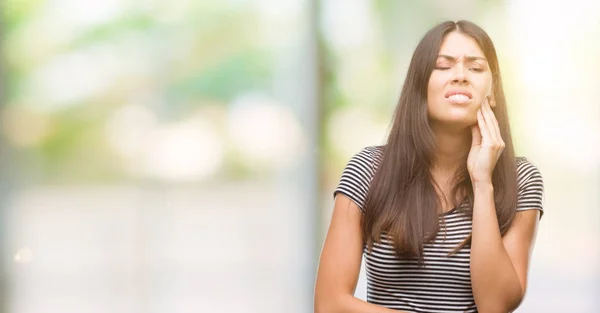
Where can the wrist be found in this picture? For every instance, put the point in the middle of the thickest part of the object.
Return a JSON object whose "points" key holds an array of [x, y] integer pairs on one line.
{"points": [[483, 186]]}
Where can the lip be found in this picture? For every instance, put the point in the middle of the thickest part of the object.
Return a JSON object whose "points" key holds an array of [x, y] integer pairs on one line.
{"points": [[459, 92]]}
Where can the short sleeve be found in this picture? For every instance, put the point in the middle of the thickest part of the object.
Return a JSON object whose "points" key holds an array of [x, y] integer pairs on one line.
{"points": [[356, 177], [530, 187]]}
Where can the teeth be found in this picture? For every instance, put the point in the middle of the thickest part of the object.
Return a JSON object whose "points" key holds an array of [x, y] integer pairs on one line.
{"points": [[459, 97]]}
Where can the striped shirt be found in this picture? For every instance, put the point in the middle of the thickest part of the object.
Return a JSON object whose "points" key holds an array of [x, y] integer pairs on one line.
{"points": [[444, 283]]}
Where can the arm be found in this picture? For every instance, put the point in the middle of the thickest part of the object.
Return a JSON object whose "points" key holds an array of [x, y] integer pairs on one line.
{"points": [[340, 261], [499, 265]]}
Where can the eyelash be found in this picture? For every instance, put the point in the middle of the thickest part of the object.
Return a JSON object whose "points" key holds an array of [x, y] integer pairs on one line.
{"points": [[478, 70]]}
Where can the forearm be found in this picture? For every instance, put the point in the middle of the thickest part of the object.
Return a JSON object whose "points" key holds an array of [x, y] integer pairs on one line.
{"points": [[495, 282], [351, 304]]}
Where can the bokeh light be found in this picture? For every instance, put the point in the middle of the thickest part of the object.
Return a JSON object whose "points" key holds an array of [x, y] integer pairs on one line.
{"points": [[166, 156]]}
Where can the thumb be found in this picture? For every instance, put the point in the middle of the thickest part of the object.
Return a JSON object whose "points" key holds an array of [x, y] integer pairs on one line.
{"points": [[476, 135]]}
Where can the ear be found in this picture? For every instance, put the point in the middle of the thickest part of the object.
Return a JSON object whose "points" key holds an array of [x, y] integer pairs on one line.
{"points": [[492, 101], [492, 98]]}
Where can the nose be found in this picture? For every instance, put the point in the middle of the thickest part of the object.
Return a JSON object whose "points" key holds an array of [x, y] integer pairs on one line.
{"points": [[458, 74]]}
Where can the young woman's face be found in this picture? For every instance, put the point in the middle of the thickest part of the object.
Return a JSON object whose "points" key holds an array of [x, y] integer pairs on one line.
{"points": [[459, 83]]}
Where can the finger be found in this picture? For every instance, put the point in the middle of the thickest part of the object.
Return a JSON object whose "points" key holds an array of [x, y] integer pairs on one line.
{"points": [[485, 134], [494, 125], [490, 121], [476, 135]]}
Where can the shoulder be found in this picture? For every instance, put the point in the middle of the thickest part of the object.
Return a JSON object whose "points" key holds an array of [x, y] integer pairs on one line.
{"points": [[368, 158], [358, 173], [530, 186], [527, 171], [373, 152]]}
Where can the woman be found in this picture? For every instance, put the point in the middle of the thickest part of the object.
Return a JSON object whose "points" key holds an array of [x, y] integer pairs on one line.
{"points": [[445, 214]]}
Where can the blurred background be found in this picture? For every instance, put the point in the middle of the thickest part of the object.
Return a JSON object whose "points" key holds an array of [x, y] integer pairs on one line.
{"points": [[180, 156]]}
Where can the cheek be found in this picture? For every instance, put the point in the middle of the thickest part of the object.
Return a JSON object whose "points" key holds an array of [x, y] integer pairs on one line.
{"points": [[435, 87], [485, 85]]}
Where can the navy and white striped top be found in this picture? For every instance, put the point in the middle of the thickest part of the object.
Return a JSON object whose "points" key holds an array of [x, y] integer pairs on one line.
{"points": [[444, 283]]}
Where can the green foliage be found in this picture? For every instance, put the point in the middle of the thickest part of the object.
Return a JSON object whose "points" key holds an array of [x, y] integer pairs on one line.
{"points": [[245, 71], [15, 12]]}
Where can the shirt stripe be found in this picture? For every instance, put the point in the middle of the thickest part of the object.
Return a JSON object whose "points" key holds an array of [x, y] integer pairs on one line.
{"points": [[444, 283]]}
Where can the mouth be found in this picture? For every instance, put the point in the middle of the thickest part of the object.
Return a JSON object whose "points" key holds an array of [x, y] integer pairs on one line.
{"points": [[459, 96]]}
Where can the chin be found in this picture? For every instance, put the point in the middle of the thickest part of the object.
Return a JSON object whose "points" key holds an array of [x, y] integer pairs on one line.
{"points": [[461, 116], [455, 117], [456, 121]]}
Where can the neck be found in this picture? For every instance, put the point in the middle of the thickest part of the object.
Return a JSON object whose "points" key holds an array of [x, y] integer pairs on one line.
{"points": [[453, 146]]}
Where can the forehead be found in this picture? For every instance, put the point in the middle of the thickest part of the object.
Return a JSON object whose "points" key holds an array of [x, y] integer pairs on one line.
{"points": [[458, 44]]}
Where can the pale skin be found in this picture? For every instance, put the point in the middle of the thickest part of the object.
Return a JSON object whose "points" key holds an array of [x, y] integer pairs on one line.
{"points": [[499, 265]]}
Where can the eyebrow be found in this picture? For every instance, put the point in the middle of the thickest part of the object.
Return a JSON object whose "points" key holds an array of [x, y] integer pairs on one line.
{"points": [[468, 58]]}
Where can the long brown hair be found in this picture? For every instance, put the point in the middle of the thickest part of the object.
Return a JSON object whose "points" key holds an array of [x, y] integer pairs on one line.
{"points": [[402, 202]]}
